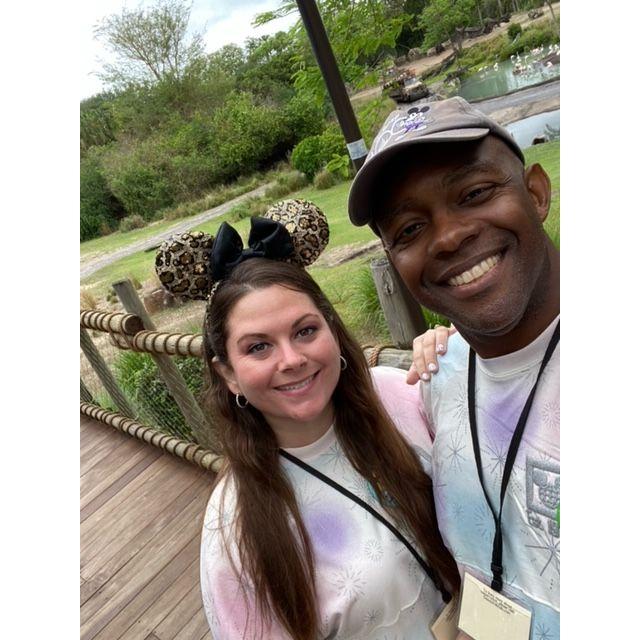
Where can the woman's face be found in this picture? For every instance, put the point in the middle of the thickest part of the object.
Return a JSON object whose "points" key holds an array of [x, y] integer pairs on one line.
{"points": [[285, 360]]}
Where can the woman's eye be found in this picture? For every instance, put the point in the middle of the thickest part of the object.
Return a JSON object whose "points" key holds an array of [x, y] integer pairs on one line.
{"points": [[259, 347], [306, 332]]}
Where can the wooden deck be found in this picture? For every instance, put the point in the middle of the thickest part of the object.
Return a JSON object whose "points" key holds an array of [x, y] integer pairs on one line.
{"points": [[141, 513]]}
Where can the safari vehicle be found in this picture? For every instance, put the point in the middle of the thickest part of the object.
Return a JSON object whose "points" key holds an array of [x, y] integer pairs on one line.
{"points": [[404, 86]]}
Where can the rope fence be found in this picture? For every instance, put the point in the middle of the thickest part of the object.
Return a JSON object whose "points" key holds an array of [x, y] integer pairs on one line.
{"points": [[148, 383]]}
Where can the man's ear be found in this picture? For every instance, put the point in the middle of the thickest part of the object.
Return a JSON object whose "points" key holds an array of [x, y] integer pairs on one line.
{"points": [[539, 187], [226, 373]]}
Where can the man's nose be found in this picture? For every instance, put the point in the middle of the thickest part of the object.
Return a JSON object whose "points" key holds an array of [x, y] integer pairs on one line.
{"points": [[450, 231]]}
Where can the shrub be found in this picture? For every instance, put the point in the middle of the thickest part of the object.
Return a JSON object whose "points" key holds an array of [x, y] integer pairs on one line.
{"points": [[138, 376], [536, 36], [515, 29], [285, 184], [132, 222], [304, 117], [325, 179], [99, 208], [87, 300], [248, 208], [313, 153]]}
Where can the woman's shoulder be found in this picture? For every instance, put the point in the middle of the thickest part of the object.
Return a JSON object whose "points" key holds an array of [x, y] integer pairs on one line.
{"points": [[403, 403]]}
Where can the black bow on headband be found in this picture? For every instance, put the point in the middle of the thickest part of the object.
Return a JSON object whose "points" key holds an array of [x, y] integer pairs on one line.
{"points": [[267, 239]]}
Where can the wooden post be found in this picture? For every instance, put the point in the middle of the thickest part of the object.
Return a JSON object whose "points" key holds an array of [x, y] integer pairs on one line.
{"points": [[168, 370], [100, 367], [402, 313], [85, 394]]}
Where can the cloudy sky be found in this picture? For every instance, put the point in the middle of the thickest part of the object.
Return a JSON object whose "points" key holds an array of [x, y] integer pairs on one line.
{"points": [[221, 21]]}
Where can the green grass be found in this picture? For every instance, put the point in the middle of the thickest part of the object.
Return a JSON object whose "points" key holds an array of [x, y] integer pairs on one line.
{"points": [[343, 284]]}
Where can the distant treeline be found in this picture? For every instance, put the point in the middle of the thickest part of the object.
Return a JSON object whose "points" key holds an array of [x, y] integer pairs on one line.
{"points": [[153, 141]]}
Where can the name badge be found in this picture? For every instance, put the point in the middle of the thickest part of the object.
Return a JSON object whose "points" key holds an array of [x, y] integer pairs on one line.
{"points": [[445, 625], [486, 614]]}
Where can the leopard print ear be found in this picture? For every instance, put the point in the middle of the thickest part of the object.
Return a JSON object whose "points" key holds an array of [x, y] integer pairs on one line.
{"points": [[182, 265], [307, 225]]}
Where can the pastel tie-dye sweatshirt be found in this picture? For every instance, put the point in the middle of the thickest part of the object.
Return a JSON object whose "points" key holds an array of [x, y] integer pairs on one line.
{"points": [[369, 585], [530, 521]]}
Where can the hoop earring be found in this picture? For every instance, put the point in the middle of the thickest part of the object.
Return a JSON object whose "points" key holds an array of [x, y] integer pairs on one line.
{"points": [[343, 363], [246, 402]]}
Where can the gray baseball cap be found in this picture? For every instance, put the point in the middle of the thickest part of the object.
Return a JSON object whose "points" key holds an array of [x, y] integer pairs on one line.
{"points": [[450, 120]]}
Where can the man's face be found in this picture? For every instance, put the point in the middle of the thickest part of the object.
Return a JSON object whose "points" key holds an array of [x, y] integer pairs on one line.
{"points": [[463, 226]]}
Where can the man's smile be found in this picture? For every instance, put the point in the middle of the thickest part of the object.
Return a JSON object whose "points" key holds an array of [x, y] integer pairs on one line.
{"points": [[475, 272]]}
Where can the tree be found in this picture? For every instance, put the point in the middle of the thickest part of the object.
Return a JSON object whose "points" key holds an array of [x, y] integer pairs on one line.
{"points": [[149, 44], [444, 19], [361, 32]]}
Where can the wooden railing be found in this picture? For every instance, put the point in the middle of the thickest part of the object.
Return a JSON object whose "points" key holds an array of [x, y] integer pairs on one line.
{"points": [[136, 331]]}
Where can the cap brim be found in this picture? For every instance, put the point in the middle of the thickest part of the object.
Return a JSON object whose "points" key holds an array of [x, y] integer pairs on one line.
{"points": [[359, 205]]}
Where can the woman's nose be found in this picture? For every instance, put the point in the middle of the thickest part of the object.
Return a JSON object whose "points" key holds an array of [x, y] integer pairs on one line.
{"points": [[291, 357]]}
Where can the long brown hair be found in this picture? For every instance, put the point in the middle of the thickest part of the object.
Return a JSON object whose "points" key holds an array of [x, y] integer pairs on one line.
{"points": [[277, 558]]}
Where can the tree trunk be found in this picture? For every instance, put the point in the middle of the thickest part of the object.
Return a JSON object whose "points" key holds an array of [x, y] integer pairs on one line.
{"points": [[479, 12], [500, 11]]}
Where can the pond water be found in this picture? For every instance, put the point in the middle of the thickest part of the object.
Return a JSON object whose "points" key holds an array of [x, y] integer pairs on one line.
{"points": [[544, 124], [497, 80]]}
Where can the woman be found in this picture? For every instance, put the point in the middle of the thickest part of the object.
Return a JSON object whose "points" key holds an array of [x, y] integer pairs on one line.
{"points": [[285, 553]]}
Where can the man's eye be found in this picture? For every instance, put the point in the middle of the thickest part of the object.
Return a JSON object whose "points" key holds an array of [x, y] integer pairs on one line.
{"points": [[406, 233], [477, 193], [258, 347]]}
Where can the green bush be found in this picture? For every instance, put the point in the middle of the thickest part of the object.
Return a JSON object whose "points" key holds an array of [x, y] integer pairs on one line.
{"points": [[539, 35], [285, 184], [139, 378], [247, 136], [312, 154], [132, 222], [304, 117], [99, 208], [140, 187], [515, 29], [325, 179], [248, 208]]}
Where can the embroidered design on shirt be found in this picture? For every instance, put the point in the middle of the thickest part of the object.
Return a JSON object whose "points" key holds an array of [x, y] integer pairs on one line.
{"points": [[543, 495]]}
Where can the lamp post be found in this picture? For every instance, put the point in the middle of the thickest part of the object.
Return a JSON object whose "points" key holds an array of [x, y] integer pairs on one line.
{"points": [[331, 74]]}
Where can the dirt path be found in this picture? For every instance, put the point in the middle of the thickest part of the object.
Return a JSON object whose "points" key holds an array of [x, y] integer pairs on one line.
{"points": [[93, 263]]}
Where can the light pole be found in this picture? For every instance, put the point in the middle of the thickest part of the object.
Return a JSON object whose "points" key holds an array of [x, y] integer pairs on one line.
{"points": [[331, 74]]}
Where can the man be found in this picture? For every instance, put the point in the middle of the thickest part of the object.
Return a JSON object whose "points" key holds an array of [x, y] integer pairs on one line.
{"points": [[461, 219]]}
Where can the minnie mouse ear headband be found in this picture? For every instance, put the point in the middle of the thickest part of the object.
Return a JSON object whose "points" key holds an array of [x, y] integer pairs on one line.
{"points": [[190, 265]]}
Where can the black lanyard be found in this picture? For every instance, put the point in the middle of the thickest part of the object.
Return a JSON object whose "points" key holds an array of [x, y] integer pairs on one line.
{"points": [[446, 596], [496, 557]]}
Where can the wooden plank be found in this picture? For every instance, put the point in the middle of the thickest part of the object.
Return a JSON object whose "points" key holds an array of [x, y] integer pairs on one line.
{"points": [[164, 605], [188, 506], [147, 457], [140, 600], [184, 611], [141, 488], [91, 456], [91, 432], [197, 627], [124, 586], [207, 635], [91, 436], [141, 549], [117, 462], [123, 522]]}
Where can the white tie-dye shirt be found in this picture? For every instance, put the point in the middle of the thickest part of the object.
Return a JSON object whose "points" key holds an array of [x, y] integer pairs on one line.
{"points": [[531, 533], [369, 585]]}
